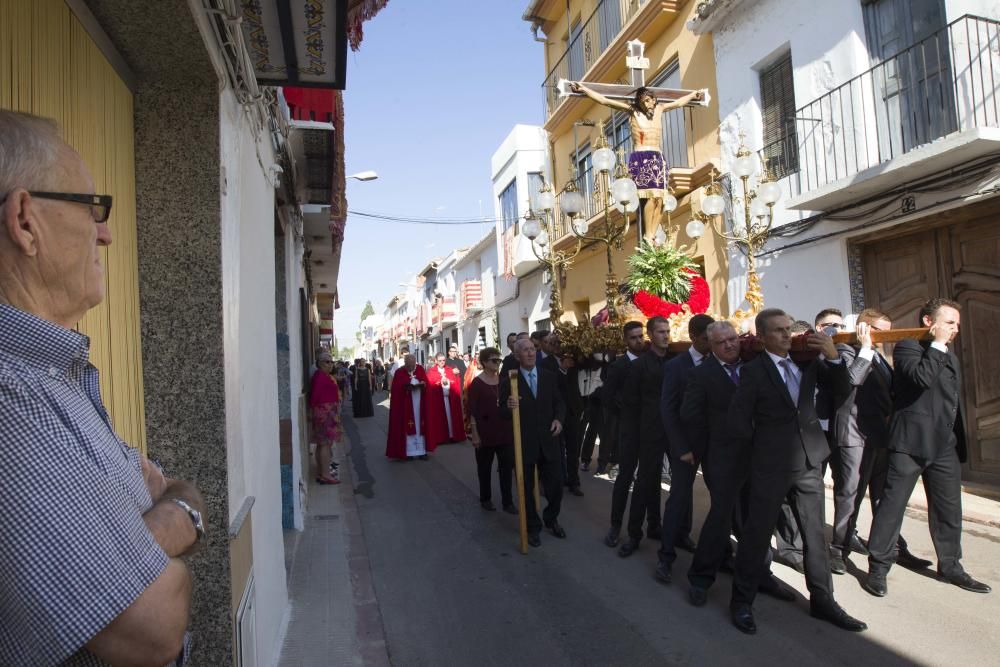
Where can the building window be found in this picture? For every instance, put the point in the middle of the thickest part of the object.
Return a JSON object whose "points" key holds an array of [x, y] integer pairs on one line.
{"points": [[674, 144], [777, 99], [508, 205], [534, 186]]}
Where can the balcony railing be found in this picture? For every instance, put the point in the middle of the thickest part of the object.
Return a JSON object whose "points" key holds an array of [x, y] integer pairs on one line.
{"points": [[587, 41], [942, 84]]}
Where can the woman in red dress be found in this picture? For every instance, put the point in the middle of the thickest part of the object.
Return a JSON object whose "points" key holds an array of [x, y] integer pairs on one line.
{"points": [[324, 403]]}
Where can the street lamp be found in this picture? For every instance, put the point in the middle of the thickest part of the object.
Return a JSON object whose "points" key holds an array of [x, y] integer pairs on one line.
{"points": [[621, 194], [749, 235], [540, 230], [364, 176]]}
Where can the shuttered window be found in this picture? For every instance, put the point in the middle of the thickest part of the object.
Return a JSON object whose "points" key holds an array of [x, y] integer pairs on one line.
{"points": [[777, 96]]}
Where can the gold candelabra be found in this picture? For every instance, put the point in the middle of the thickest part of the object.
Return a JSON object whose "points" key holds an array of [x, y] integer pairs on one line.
{"points": [[540, 229], [620, 193], [749, 234]]}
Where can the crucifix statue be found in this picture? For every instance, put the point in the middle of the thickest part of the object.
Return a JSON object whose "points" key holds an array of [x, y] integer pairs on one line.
{"points": [[645, 107]]}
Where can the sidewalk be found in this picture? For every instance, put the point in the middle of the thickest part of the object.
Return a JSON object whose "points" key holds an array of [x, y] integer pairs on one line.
{"points": [[334, 617]]}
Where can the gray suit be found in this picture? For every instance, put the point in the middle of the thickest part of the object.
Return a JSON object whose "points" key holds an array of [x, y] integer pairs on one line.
{"points": [[858, 421]]}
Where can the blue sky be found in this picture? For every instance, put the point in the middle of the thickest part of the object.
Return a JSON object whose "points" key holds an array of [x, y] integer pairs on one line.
{"points": [[435, 88]]}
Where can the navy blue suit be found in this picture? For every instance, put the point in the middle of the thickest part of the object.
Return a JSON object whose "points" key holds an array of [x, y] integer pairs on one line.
{"points": [[680, 440]]}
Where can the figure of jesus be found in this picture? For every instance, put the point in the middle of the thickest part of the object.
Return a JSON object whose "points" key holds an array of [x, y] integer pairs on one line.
{"points": [[646, 164]]}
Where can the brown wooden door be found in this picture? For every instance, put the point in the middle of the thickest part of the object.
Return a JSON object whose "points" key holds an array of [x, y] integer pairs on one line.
{"points": [[962, 262], [900, 275], [974, 274]]}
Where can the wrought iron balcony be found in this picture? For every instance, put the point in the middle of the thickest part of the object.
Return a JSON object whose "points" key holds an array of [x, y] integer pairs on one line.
{"points": [[587, 41], [944, 84]]}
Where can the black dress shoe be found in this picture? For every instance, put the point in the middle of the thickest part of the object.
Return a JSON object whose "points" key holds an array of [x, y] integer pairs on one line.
{"points": [[488, 505], [837, 565], [686, 543], [906, 559], [742, 616], [510, 509], [662, 573], [775, 589], [534, 540], [697, 596], [557, 530], [611, 539], [875, 584], [654, 533], [575, 490], [728, 564], [857, 546], [965, 582], [831, 612], [628, 548]]}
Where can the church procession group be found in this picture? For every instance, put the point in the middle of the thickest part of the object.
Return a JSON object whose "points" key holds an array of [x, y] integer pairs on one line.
{"points": [[761, 422]]}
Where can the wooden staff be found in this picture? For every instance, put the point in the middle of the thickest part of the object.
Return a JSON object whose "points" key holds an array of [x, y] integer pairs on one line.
{"points": [[850, 337], [522, 516]]}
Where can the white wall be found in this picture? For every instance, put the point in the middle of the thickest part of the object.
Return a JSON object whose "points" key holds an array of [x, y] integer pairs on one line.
{"points": [[955, 9], [294, 280], [250, 364]]}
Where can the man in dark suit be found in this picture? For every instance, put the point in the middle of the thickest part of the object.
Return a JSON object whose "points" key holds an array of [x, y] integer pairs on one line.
{"points": [[684, 448], [775, 410], [641, 406], [541, 415], [725, 462], [619, 433], [926, 439], [569, 389], [510, 362], [861, 434]]}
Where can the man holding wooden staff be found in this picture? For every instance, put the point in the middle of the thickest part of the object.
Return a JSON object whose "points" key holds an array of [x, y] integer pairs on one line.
{"points": [[541, 413]]}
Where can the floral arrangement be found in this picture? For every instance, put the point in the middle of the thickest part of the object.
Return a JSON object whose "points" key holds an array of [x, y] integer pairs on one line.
{"points": [[584, 340], [664, 280]]}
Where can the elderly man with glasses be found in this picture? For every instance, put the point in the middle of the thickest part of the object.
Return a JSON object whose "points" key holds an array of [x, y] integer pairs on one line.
{"points": [[88, 562]]}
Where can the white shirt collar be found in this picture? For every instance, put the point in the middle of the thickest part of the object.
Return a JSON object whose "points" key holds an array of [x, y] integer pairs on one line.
{"points": [[696, 356], [778, 361], [631, 357]]}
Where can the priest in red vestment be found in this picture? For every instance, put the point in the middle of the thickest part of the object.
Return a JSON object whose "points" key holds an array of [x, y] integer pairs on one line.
{"points": [[408, 413], [444, 408]]}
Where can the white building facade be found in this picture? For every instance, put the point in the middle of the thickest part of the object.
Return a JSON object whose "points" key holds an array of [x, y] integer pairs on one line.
{"points": [[881, 121]]}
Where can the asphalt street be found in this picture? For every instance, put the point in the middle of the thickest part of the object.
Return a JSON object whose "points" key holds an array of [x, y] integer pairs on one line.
{"points": [[453, 589]]}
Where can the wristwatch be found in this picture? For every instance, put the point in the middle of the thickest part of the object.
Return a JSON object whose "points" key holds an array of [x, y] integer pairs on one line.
{"points": [[195, 516]]}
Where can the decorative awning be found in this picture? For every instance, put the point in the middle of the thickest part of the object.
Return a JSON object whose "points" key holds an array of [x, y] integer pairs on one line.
{"points": [[297, 42]]}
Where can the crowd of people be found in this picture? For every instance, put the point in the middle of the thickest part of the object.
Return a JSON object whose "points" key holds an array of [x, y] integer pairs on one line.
{"points": [[762, 424]]}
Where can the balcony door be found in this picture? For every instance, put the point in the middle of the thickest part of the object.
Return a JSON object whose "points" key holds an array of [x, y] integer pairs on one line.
{"points": [[909, 49], [575, 52]]}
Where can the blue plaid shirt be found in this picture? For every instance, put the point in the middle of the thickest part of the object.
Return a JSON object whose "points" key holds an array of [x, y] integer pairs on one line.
{"points": [[74, 551]]}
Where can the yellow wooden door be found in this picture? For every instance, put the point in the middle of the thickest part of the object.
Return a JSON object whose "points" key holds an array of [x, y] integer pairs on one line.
{"points": [[50, 66]]}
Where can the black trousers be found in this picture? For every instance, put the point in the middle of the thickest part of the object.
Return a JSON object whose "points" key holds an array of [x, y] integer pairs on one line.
{"points": [[628, 461], [610, 436], [570, 443], [727, 472], [803, 486], [646, 490], [551, 480], [678, 510], [591, 426], [942, 483], [505, 471]]}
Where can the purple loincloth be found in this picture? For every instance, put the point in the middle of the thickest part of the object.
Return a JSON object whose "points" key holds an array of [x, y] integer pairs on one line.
{"points": [[649, 171]]}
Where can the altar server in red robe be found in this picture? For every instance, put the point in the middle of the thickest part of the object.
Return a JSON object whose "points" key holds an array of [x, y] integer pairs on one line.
{"points": [[408, 437], [444, 409]]}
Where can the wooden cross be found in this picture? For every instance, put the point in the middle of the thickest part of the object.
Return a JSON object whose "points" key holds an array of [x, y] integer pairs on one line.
{"points": [[637, 63]]}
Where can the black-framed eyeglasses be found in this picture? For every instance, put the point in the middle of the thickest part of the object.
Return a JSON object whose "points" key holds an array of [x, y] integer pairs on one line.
{"points": [[100, 205], [836, 325]]}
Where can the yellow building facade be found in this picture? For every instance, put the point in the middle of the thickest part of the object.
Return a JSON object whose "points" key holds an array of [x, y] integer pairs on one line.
{"points": [[51, 67], [586, 40]]}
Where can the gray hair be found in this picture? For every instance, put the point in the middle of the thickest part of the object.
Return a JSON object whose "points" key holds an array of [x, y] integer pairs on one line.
{"points": [[29, 148], [522, 344], [722, 326]]}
